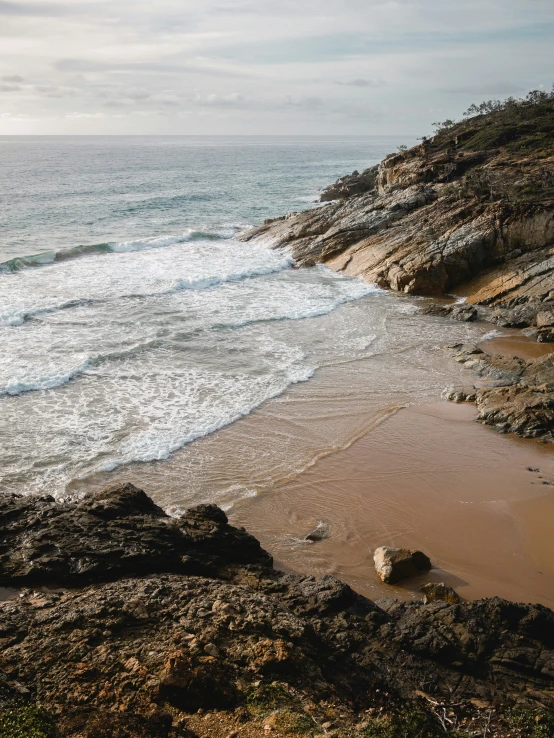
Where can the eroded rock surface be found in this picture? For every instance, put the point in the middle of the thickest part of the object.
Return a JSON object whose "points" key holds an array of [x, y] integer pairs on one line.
{"points": [[119, 532]]}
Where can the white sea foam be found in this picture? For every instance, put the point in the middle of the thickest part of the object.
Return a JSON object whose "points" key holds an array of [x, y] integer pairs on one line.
{"points": [[128, 356], [61, 346], [143, 273]]}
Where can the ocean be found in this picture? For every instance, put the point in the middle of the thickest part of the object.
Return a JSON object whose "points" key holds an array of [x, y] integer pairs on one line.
{"points": [[134, 326]]}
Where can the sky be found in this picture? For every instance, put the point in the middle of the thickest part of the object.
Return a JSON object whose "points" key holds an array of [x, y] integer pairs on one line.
{"points": [[254, 67]]}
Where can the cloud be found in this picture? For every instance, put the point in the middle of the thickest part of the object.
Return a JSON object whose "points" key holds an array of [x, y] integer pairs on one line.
{"points": [[77, 116], [258, 66], [358, 82], [306, 103], [233, 100], [146, 67], [38, 10], [490, 88], [55, 91]]}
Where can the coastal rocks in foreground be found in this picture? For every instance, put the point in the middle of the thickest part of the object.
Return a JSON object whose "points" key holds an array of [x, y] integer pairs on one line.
{"points": [[394, 564], [518, 396], [141, 654], [119, 532]]}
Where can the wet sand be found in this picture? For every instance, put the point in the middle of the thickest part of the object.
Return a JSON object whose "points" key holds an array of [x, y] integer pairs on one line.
{"points": [[516, 344], [430, 478]]}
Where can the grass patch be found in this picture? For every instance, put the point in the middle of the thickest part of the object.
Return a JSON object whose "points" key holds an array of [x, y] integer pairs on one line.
{"points": [[409, 724], [532, 723], [267, 697], [27, 721], [292, 722]]}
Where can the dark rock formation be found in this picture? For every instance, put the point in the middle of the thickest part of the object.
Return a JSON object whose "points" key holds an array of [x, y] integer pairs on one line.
{"points": [[119, 532], [394, 564], [139, 656]]}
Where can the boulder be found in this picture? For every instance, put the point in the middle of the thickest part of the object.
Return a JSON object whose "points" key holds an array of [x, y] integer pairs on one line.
{"points": [[394, 564], [439, 592]]}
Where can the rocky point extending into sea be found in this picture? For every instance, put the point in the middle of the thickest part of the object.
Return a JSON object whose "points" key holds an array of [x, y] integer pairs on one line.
{"points": [[469, 211]]}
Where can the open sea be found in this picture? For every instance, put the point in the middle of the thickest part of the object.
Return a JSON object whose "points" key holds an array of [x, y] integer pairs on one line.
{"points": [[132, 323]]}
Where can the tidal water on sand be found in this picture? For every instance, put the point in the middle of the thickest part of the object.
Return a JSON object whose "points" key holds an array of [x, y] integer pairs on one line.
{"points": [[133, 324]]}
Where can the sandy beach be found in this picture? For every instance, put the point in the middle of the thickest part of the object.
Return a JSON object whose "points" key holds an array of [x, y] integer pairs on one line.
{"points": [[429, 478]]}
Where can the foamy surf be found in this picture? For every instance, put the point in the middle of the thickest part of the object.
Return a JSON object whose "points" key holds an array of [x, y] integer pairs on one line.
{"points": [[56, 342], [148, 347], [132, 273]]}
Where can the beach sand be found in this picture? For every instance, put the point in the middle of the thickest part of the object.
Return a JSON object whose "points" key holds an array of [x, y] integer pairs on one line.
{"points": [[429, 478], [344, 449]]}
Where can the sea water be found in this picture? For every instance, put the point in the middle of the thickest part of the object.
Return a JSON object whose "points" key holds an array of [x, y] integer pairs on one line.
{"points": [[133, 323]]}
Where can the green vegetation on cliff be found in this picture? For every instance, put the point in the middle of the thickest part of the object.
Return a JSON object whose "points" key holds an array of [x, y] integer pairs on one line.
{"points": [[517, 133]]}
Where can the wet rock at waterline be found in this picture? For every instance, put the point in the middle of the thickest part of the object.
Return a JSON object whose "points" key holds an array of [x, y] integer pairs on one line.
{"points": [[319, 533], [517, 396]]}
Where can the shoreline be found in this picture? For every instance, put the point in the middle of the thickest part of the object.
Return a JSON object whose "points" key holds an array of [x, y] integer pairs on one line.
{"points": [[429, 478], [338, 483]]}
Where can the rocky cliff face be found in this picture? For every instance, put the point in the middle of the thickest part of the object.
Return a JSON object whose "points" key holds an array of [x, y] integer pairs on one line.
{"points": [[153, 619], [471, 211]]}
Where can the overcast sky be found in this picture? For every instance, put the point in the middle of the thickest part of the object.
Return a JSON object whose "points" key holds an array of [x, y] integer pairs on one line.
{"points": [[264, 66]]}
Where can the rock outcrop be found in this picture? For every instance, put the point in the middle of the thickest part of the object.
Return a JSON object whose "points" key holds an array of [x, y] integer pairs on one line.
{"points": [[118, 533], [470, 210], [517, 396], [439, 592], [251, 645], [351, 184]]}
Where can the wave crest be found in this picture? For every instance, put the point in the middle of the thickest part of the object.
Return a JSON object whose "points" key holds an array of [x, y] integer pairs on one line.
{"points": [[75, 252]]}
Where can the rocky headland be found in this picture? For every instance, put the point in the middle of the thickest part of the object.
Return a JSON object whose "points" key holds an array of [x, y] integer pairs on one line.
{"points": [[468, 212], [127, 622]]}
